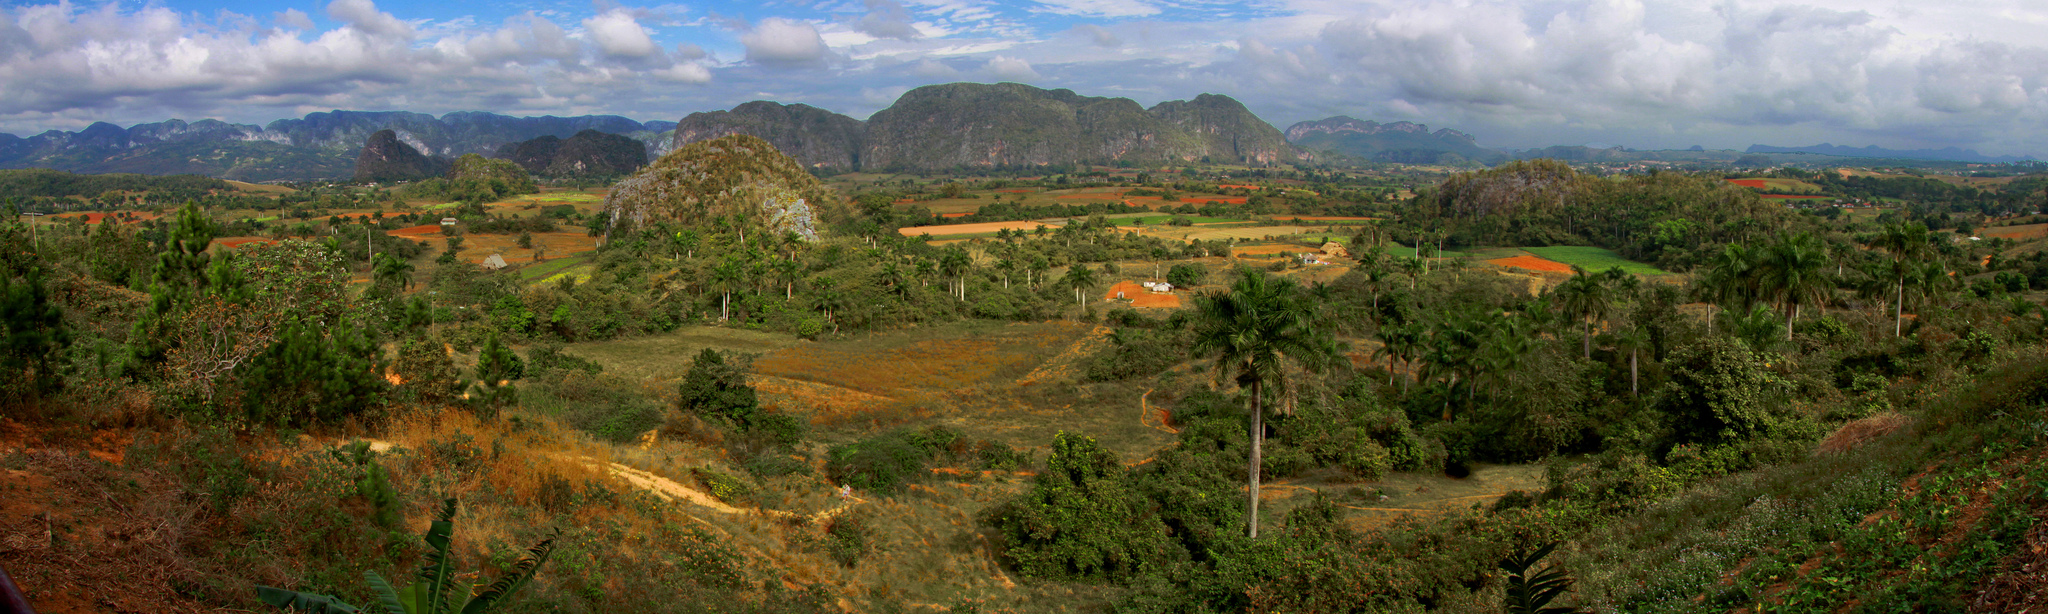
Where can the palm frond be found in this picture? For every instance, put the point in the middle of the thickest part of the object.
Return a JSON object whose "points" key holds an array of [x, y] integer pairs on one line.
{"points": [[303, 602], [514, 578]]}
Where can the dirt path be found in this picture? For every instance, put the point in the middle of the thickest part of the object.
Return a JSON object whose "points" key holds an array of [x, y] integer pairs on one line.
{"points": [[1145, 412], [671, 490]]}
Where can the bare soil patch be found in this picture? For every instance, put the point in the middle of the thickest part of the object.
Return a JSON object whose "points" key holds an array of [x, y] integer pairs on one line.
{"points": [[1141, 297], [2021, 232], [1532, 263]]}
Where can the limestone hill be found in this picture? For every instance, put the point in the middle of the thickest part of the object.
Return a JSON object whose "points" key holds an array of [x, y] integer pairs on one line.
{"points": [[731, 177]]}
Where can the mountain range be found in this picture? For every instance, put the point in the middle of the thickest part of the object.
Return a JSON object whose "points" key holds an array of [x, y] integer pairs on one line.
{"points": [[317, 146], [955, 125], [1399, 142], [1947, 153]]}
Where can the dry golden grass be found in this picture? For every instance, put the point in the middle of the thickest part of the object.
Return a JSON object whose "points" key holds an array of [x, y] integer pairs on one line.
{"points": [[1854, 434]]}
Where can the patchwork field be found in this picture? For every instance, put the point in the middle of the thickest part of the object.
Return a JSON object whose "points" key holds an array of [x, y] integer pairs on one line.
{"points": [[1594, 259]]}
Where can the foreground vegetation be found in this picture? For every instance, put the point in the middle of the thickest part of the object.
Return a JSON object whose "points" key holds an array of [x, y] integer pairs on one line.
{"points": [[713, 410]]}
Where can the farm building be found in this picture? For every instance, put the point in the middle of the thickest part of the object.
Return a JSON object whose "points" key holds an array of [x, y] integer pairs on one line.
{"points": [[494, 262]]}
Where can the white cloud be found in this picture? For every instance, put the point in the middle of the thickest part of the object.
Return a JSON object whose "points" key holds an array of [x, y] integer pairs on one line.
{"points": [[619, 35], [1098, 35], [887, 19], [685, 72], [780, 41], [363, 15], [294, 19], [934, 69], [1011, 69]]}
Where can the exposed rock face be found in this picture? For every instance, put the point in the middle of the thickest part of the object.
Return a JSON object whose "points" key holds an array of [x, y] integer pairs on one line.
{"points": [[973, 124], [817, 138], [1230, 132], [385, 158], [735, 177], [1403, 142]]}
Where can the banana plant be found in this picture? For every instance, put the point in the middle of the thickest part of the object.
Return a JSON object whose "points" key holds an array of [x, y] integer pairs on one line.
{"points": [[431, 594]]}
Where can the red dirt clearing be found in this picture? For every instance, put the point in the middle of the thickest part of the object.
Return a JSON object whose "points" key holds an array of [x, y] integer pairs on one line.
{"points": [[968, 229], [1221, 200], [959, 214], [1140, 297], [1532, 263], [241, 241], [1261, 250], [1748, 183], [1243, 186]]}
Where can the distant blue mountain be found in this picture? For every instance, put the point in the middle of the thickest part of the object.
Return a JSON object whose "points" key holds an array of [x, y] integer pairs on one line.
{"points": [[1946, 153]]}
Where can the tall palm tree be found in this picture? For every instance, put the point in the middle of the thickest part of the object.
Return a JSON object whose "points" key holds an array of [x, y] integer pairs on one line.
{"points": [[954, 263], [1792, 271], [726, 277], [1908, 244], [1253, 331], [1587, 299], [1081, 279]]}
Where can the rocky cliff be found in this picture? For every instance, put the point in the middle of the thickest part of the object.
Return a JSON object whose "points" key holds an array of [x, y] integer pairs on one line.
{"points": [[386, 158], [817, 138], [1005, 124]]}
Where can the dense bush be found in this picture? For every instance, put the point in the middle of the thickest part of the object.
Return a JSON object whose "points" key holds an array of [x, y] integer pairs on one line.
{"points": [[1081, 519]]}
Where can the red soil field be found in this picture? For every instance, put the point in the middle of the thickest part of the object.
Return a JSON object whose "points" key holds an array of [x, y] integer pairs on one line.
{"points": [[903, 201], [1226, 200], [1748, 183], [1140, 297], [1093, 195], [960, 214], [1247, 187], [95, 218], [1324, 218], [1532, 263], [966, 229], [240, 241]]}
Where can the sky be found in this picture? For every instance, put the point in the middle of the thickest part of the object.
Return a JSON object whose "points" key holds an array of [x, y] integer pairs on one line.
{"points": [[1514, 73]]}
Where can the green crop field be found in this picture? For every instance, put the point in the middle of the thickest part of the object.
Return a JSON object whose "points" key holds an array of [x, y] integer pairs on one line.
{"points": [[1594, 259]]}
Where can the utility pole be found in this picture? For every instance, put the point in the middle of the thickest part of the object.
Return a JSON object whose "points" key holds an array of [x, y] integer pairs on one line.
{"points": [[34, 238]]}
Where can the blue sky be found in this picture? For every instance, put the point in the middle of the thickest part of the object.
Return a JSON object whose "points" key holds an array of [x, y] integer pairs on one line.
{"points": [[1515, 73]]}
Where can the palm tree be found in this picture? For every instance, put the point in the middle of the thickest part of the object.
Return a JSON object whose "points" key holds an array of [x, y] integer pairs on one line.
{"points": [[1253, 331], [1791, 270], [1081, 279], [1728, 280], [955, 263], [726, 278], [1633, 339], [1907, 244], [788, 268], [391, 268], [1585, 298]]}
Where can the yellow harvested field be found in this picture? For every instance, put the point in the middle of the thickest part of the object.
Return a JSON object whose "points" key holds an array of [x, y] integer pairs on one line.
{"points": [[968, 229]]}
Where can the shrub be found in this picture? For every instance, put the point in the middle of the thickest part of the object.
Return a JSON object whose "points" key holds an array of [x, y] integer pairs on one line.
{"points": [[1081, 519], [887, 462], [850, 536], [724, 487], [1187, 275]]}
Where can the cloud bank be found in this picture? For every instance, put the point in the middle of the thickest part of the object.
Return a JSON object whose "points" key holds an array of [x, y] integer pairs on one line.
{"points": [[1518, 73]]}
